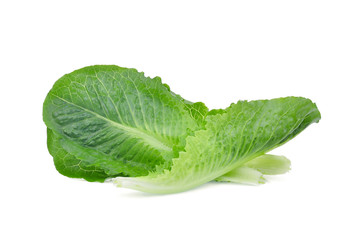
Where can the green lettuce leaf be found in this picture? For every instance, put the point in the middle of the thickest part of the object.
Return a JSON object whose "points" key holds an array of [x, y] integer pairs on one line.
{"points": [[117, 120], [232, 137]]}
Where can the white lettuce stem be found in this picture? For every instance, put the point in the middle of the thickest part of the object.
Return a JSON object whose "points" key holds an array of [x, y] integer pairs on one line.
{"points": [[243, 175]]}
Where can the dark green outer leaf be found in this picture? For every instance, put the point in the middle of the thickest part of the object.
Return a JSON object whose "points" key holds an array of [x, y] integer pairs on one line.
{"points": [[118, 120]]}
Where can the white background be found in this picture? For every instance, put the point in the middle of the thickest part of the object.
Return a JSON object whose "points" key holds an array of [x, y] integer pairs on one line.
{"points": [[212, 51]]}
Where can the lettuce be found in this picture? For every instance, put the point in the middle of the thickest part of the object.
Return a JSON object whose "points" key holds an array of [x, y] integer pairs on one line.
{"points": [[108, 122]]}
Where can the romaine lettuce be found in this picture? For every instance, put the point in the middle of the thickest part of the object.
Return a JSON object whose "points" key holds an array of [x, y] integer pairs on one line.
{"points": [[112, 122]]}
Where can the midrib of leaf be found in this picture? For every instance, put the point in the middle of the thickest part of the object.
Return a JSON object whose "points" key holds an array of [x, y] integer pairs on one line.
{"points": [[150, 139]]}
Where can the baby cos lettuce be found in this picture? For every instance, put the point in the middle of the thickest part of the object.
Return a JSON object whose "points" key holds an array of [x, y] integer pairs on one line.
{"points": [[108, 122]]}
